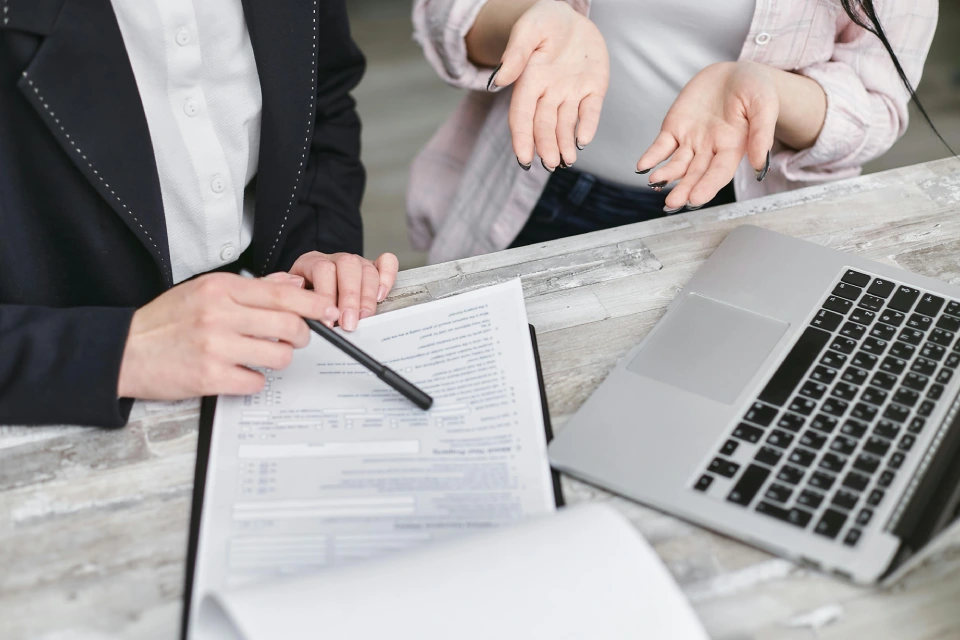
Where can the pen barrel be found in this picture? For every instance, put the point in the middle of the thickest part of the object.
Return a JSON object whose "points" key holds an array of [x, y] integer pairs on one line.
{"points": [[401, 384]]}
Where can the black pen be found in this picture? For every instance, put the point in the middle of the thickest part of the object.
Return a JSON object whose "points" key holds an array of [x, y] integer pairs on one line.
{"points": [[409, 390]]}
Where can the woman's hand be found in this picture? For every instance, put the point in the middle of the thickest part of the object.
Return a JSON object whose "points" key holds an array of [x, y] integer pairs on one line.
{"points": [[558, 62], [352, 283], [729, 109]]}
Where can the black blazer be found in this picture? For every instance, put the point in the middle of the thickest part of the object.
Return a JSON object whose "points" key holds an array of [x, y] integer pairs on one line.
{"points": [[82, 234]]}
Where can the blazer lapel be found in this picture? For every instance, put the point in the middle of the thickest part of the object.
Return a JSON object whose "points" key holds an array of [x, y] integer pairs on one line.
{"points": [[83, 87], [283, 34]]}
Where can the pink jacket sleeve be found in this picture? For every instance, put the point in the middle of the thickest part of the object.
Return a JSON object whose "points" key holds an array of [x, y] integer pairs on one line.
{"points": [[866, 101]]}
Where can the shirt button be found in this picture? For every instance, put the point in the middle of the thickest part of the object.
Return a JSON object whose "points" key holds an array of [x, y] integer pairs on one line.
{"points": [[218, 185], [763, 38], [227, 252], [183, 37], [191, 108]]}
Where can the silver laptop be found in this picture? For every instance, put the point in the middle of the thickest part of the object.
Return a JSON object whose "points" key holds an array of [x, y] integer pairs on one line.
{"points": [[794, 397]]}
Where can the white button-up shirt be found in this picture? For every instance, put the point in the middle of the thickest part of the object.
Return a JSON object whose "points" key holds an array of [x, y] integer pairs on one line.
{"points": [[198, 82]]}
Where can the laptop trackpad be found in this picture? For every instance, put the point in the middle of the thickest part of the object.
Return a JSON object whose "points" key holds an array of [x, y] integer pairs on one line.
{"points": [[709, 348]]}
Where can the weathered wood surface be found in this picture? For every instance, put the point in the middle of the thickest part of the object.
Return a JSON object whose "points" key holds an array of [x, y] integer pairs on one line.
{"points": [[93, 523]]}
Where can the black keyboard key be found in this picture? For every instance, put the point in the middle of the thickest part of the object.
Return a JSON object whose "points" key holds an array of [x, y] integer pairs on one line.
{"points": [[902, 350], [884, 380], [856, 278], [796, 517], [872, 303], [864, 517], [843, 345], [877, 446], [835, 360], [875, 346], [832, 462], [826, 320], [852, 537], [880, 331], [748, 485], [933, 351], [760, 414], [824, 423], [748, 433], [896, 413], [790, 475], [856, 481], [915, 381], [929, 305], [821, 480], [802, 457], [944, 376], [886, 479], [891, 317], [843, 445], [942, 337], [729, 448], [780, 439], [834, 407], [703, 483], [724, 468], [881, 288], [847, 291], [768, 455], [863, 316], [953, 308], [853, 429], [911, 336], [845, 499], [919, 322], [866, 463], [803, 405], [864, 360], [923, 366], [887, 429], [896, 460], [874, 396], [840, 305], [831, 523], [917, 425], [935, 392], [907, 397], [893, 365], [844, 391], [953, 360], [853, 375], [791, 422], [854, 331], [813, 389], [813, 439], [809, 499], [778, 493], [864, 411], [875, 497], [949, 323], [904, 298], [788, 376], [925, 409]]}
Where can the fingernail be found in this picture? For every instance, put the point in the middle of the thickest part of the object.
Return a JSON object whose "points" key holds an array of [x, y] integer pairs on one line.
{"points": [[525, 167], [657, 186], [546, 167], [691, 207], [382, 293], [365, 313], [669, 211], [279, 276], [349, 319], [297, 280], [493, 77], [581, 147], [763, 172], [331, 315], [563, 163], [643, 173]]}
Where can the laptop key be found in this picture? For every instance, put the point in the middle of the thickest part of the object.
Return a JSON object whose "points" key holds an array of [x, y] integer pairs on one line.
{"points": [[874, 345], [881, 331], [953, 360], [748, 485], [835, 359], [896, 413], [923, 366], [907, 442], [813, 440], [903, 299], [864, 517], [856, 278], [881, 288], [915, 381], [863, 316], [790, 475], [748, 433], [729, 448], [780, 439], [796, 517], [929, 305], [838, 304], [856, 331], [760, 414], [810, 499], [791, 422], [925, 409], [896, 460], [856, 481], [852, 537], [864, 411], [874, 396], [902, 350], [769, 456], [907, 397], [875, 497], [884, 380], [724, 468], [804, 353], [891, 317], [953, 308], [834, 407], [826, 320], [778, 493], [843, 345], [866, 463], [887, 429], [935, 392], [919, 322], [845, 499], [893, 365], [813, 389], [911, 336], [802, 457], [824, 423], [886, 479], [823, 375], [864, 360], [877, 446], [949, 323], [832, 462], [872, 303], [916, 425], [933, 352], [831, 523], [803, 405], [853, 429], [822, 481], [844, 391], [942, 337], [703, 483], [944, 376], [843, 445], [847, 291], [853, 375]]}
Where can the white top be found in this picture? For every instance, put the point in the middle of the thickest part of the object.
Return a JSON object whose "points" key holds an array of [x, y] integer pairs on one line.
{"points": [[198, 82], [656, 47]]}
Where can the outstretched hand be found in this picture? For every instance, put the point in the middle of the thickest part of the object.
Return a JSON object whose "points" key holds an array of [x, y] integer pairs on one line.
{"points": [[726, 111], [557, 61]]}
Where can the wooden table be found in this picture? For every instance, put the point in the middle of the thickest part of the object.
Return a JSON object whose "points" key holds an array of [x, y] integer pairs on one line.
{"points": [[93, 523]]}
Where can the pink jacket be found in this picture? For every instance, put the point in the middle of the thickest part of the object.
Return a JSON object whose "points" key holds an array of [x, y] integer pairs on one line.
{"points": [[467, 196]]}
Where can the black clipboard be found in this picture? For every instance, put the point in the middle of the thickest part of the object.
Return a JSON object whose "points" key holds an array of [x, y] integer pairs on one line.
{"points": [[208, 409]]}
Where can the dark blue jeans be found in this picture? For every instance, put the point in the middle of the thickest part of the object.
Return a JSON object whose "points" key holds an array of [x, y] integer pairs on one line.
{"points": [[575, 202]]}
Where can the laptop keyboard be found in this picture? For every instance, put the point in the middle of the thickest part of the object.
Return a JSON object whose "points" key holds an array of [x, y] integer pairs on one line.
{"points": [[840, 416]]}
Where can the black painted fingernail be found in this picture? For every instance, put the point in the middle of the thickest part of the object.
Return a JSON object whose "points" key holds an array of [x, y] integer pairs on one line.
{"points": [[763, 172], [643, 173], [546, 167], [563, 163], [691, 207], [493, 76], [580, 147], [671, 211], [525, 167], [658, 185]]}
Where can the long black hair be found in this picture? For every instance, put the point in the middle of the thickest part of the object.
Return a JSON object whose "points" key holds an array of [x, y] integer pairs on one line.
{"points": [[864, 14]]}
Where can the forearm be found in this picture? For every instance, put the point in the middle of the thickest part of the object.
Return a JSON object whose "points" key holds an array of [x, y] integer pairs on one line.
{"points": [[803, 109], [487, 39]]}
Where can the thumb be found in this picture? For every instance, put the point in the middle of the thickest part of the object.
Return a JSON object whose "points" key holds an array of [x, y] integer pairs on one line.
{"points": [[524, 40], [762, 118]]}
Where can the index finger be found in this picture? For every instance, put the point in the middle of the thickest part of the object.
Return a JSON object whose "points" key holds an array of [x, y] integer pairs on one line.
{"points": [[523, 106], [264, 294]]}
